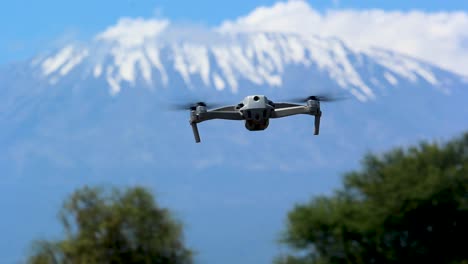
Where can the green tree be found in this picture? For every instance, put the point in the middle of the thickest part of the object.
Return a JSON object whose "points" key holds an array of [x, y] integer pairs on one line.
{"points": [[405, 206], [114, 227]]}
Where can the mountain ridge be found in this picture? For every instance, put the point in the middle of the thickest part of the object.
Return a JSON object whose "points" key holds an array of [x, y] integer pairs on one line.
{"points": [[258, 58]]}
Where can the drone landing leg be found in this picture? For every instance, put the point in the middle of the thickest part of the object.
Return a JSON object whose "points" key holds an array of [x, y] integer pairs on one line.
{"points": [[195, 132], [317, 123]]}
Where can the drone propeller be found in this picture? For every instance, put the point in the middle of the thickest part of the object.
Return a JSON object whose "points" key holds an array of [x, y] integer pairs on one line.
{"points": [[192, 106], [323, 97]]}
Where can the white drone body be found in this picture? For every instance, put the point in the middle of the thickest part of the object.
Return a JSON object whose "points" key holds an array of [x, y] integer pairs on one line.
{"points": [[256, 111]]}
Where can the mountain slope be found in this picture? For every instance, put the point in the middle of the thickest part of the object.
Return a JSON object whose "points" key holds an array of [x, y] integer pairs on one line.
{"points": [[258, 58]]}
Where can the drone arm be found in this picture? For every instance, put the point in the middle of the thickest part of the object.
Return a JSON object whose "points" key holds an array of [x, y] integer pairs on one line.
{"points": [[289, 111], [297, 110], [229, 108], [204, 116], [228, 115]]}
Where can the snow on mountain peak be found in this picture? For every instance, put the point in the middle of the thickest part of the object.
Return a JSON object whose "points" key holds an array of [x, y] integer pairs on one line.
{"points": [[259, 47], [259, 58]]}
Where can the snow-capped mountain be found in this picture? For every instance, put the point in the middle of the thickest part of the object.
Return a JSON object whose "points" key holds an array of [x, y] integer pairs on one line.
{"points": [[94, 113], [256, 58]]}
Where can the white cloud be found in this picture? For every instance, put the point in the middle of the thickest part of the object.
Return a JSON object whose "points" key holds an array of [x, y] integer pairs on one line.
{"points": [[440, 38], [130, 32]]}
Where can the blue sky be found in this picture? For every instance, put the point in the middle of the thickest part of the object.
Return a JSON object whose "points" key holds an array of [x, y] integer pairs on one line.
{"points": [[29, 26]]}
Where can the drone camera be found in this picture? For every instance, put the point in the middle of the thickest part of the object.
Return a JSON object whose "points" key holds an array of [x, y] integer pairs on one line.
{"points": [[252, 125]]}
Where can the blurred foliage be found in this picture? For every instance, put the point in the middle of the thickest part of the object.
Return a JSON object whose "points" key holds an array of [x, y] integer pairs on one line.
{"points": [[405, 206], [114, 227]]}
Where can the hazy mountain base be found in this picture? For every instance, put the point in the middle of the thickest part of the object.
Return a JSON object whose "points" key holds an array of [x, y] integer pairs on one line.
{"points": [[234, 184]]}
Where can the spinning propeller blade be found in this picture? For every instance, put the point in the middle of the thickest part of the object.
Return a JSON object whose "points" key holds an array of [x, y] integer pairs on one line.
{"points": [[192, 106], [322, 97]]}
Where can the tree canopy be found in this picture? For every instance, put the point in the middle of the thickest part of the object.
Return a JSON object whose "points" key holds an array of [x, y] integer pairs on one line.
{"points": [[409, 205], [114, 227]]}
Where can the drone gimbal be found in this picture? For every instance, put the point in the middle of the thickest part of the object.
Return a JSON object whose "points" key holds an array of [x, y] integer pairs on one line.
{"points": [[256, 110]]}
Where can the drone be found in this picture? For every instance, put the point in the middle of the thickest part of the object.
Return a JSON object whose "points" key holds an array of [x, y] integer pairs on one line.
{"points": [[256, 111]]}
